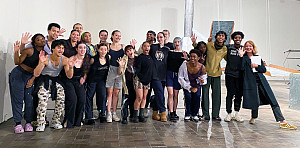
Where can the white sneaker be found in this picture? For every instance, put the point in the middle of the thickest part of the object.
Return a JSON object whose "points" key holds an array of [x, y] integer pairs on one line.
{"points": [[187, 118], [195, 118], [146, 113], [238, 118], [40, 128], [115, 117], [56, 126], [228, 118], [109, 117]]}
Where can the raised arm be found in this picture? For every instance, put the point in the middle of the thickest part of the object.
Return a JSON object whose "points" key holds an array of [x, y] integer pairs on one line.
{"points": [[68, 66], [121, 62], [42, 63], [18, 59], [25, 40]]}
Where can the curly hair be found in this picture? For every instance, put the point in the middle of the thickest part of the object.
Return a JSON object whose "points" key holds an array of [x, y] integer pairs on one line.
{"points": [[34, 37]]}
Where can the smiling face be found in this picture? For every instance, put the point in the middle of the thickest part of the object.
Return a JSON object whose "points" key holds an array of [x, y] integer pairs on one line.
{"points": [[220, 39], [87, 37], [150, 37], [81, 50], [160, 38], [237, 40], [53, 33], [103, 36], [74, 36], [116, 37], [79, 28], [102, 50], [146, 48], [249, 48], [194, 58], [40, 41], [58, 50]]}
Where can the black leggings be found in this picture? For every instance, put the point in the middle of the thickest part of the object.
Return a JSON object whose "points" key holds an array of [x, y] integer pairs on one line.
{"points": [[74, 102]]}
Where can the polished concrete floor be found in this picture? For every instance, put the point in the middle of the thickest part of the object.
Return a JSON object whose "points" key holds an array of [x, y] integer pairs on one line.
{"points": [[265, 133]]}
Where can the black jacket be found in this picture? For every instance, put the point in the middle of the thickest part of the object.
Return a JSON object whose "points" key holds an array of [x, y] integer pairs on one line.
{"points": [[251, 94], [159, 56], [144, 68]]}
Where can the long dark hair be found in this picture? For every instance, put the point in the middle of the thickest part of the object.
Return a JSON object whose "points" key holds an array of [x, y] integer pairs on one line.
{"points": [[86, 60], [113, 33]]}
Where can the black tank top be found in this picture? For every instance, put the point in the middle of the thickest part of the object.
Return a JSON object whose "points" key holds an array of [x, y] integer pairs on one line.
{"points": [[115, 55], [33, 60], [78, 73], [101, 71]]}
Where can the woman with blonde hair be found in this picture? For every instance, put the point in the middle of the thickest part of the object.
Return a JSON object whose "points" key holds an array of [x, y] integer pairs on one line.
{"points": [[256, 89]]}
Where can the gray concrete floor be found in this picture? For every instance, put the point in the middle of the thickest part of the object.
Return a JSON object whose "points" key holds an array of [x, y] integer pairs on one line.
{"points": [[265, 133]]}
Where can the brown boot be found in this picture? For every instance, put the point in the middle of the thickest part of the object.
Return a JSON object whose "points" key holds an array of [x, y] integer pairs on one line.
{"points": [[163, 117], [155, 116]]}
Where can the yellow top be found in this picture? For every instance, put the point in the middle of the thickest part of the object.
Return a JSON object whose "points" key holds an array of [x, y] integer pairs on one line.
{"points": [[213, 59]]}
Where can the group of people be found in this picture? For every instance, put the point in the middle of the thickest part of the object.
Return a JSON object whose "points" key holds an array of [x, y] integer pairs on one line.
{"points": [[71, 71]]}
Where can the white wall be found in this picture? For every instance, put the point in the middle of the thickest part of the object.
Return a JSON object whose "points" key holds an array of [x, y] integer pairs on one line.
{"points": [[272, 24]]}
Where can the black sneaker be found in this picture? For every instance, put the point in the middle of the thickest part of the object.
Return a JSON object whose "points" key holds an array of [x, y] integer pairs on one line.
{"points": [[90, 122], [124, 121]]}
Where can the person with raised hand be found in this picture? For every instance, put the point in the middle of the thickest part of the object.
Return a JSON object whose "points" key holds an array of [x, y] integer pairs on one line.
{"points": [[256, 89], [216, 51], [114, 79], [128, 85], [20, 82], [233, 78], [49, 84], [75, 94], [54, 31]]}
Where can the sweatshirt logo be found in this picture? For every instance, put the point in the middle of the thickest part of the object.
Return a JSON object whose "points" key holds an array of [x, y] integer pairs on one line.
{"points": [[159, 55]]}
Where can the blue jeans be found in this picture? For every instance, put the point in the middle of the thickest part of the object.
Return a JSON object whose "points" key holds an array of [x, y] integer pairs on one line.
{"points": [[18, 78], [100, 90], [159, 101], [192, 102]]}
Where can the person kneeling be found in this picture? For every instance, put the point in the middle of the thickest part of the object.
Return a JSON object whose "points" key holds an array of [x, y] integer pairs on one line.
{"points": [[191, 76], [49, 84]]}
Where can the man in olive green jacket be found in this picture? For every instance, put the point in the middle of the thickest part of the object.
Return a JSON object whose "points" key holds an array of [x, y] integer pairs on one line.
{"points": [[216, 51]]}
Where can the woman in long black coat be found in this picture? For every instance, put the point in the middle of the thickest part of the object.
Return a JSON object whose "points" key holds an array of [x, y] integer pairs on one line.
{"points": [[256, 90]]}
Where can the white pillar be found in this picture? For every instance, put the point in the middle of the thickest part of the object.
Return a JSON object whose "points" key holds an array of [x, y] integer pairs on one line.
{"points": [[188, 17]]}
